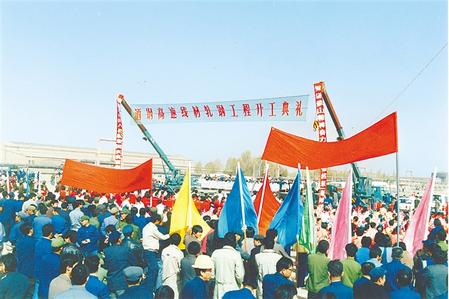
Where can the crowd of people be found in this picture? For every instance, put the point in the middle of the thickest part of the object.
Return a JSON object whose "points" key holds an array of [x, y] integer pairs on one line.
{"points": [[78, 244]]}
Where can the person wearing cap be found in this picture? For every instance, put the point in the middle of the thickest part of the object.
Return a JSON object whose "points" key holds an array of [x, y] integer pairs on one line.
{"points": [[351, 269], [122, 216], [197, 288], [284, 269], [359, 283], [336, 287], [31, 213], [50, 266], [135, 290], [171, 263], [78, 278], [128, 221], [115, 260], [110, 220], [135, 249], [404, 281], [87, 237], [150, 241], [375, 288], [393, 268], [229, 269]]}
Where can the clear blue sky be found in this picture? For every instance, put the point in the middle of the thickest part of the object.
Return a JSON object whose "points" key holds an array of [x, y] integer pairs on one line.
{"points": [[63, 64]]}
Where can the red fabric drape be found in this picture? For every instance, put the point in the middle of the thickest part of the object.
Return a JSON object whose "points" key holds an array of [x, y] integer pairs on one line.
{"points": [[107, 180], [269, 207], [287, 149]]}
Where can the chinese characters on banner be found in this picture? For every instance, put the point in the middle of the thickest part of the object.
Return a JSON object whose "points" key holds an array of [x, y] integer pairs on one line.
{"points": [[274, 109], [118, 151], [322, 137]]}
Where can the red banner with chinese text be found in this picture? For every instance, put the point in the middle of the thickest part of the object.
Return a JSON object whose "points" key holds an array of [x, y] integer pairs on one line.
{"points": [[118, 151], [322, 134], [107, 180], [287, 149]]}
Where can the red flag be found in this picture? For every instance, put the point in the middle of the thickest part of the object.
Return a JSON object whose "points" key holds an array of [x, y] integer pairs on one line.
{"points": [[341, 226], [107, 180], [269, 206], [417, 230], [287, 149]]}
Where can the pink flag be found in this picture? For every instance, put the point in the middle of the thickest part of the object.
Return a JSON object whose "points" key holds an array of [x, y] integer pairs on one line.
{"points": [[341, 226], [417, 230]]}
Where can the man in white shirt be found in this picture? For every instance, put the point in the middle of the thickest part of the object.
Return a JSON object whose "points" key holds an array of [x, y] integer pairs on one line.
{"points": [[171, 264], [76, 215], [150, 242], [266, 263]]}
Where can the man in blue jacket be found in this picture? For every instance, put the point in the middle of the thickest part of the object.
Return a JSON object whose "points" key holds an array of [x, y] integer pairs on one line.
{"points": [[284, 269], [393, 268], [336, 287], [88, 236], [51, 264]]}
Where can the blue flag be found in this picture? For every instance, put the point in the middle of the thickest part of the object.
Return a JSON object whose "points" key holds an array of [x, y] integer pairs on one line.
{"points": [[231, 219], [288, 219]]}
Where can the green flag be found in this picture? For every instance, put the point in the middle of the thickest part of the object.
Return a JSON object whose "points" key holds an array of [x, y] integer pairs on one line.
{"points": [[307, 238]]}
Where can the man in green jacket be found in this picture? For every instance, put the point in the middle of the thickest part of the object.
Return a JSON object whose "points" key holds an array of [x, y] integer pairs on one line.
{"points": [[351, 269], [317, 266]]}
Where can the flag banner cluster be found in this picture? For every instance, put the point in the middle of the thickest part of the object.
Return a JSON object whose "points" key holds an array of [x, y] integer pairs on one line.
{"points": [[287, 149], [184, 213], [292, 108], [233, 216], [107, 180], [288, 219]]}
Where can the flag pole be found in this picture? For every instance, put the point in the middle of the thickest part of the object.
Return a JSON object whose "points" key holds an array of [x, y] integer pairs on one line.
{"points": [[310, 210], [432, 187], [350, 203], [241, 197], [265, 180], [299, 195], [190, 200], [397, 197]]}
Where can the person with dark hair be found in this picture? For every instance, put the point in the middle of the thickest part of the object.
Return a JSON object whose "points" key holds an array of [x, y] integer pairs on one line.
{"points": [[197, 288], [25, 252], [440, 238], [50, 267], [59, 222], [115, 260], [284, 269], [273, 234], [393, 268], [135, 249], [362, 254], [248, 241], [164, 292], [229, 269], [336, 287], [70, 238], [171, 263], [76, 214], [13, 284], [407, 258], [94, 285], [187, 272], [359, 283], [285, 291], [437, 227], [375, 288], [375, 256], [78, 277], [351, 269], [266, 263], [141, 220], [317, 266], [62, 282], [431, 282], [194, 235], [247, 292], [87, 237], [404, 281], [150, 241]]}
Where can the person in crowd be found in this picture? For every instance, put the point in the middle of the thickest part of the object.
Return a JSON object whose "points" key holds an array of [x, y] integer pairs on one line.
{"points": [[8, 210], [70, 246], [110, 220], [94, 285], [248, 241], [194, 235], [87, 237], [229, 269], [62, 282], [375, 256], [393, 268], [60, 224], [336, 287], [197, 288], [362, 254], [407, 258], [359, 283], [115, 261], [285, 291], [284, 269], [164, 292], [40, 221], [375, 288], [141, 220], [25, 251], [75, 215], [187, 271], [150, 241], [351, 268], [15, 233], [404, 282], [266, 263], [247, 292], [431, 282], [13, 284], [318, 273], [135, 289], [171, 263], [441, 239], [134, 248], [50, 266], [273, 234], [78, 278], [437, 227]]}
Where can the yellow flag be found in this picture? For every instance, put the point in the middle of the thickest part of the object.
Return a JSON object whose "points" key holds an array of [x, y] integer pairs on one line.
{"points": [[185, 213]]}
